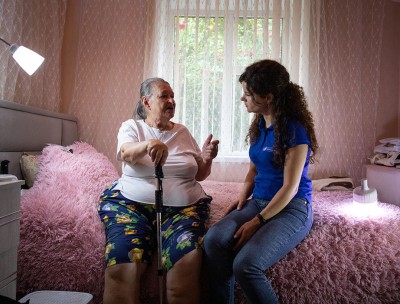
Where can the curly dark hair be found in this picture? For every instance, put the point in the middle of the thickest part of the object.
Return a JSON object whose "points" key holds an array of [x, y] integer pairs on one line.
{"points": [[289, 102]]}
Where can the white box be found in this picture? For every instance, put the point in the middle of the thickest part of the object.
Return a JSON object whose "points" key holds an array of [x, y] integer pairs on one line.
{"points": [[386, 181]]}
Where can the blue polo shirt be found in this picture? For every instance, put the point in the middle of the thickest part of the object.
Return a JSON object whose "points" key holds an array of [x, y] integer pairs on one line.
{"points": [[269, 179]]}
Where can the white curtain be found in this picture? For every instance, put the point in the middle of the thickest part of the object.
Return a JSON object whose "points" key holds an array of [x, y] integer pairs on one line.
{"points": [[201, 47], [38, 25], [285, 40]]}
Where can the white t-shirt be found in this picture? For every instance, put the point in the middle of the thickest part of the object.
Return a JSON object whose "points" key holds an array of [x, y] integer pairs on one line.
{"points": [[138, 181]]}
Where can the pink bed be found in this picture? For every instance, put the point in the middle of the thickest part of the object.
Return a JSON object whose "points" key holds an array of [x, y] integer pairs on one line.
{"points": [[350, 256]]}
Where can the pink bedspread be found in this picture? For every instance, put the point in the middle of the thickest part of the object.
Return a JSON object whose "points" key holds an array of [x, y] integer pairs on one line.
{"points": [[350, 256]]}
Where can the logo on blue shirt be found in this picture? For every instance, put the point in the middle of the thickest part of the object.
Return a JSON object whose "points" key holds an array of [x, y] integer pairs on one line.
{"points": [[269, 149]]}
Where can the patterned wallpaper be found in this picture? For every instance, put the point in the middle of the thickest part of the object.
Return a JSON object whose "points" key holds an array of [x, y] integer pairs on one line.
{"points": [[38, 25], [109, 69], [345, 85]]}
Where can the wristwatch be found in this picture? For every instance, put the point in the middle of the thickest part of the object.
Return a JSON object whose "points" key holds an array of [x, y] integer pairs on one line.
{"points": [[261, 219]]}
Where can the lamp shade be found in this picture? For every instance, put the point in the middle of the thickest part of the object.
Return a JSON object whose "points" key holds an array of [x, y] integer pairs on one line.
{"points": [[26, 58]]}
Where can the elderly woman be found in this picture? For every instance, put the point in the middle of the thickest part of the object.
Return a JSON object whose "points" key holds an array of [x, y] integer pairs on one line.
{"points": [[127, 207]]}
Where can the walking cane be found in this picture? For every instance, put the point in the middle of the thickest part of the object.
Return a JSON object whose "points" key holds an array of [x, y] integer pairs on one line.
{"points": [[159, 204]]}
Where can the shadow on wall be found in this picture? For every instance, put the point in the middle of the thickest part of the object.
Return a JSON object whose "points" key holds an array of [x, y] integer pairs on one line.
{"points": [[388, 130]]}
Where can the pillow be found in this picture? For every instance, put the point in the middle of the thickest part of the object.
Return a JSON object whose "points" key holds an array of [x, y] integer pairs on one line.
{"points": [[332, 183], [30, 165], [29, 168]]}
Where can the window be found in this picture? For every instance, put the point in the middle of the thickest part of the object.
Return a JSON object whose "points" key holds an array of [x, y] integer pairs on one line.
{"points": [[210, 43], [209, 95]]}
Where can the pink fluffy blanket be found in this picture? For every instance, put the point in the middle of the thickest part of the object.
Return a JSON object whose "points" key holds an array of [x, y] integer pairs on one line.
{"points": [[61, 240], [350, 256]]}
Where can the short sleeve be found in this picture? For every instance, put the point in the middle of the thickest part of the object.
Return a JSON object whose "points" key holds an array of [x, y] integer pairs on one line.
{"points": [[297, 134], [128, 132], [195, 145]]}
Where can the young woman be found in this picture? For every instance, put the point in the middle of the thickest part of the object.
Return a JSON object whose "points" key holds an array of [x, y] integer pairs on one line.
{"points": [[273, 212]]}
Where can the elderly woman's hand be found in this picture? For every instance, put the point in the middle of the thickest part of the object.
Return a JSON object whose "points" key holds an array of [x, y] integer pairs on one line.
{"points": [[158, 151], [210, 149]]}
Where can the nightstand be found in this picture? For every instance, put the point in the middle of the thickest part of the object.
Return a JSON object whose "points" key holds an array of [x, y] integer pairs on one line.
{"points": [[10, 193]]}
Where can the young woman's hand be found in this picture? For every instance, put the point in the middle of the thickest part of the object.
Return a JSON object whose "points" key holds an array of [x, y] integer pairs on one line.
{"points": [[237, 204], [245, 232]]}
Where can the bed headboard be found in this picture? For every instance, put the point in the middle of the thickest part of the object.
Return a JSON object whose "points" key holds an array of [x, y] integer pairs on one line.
{"points": [[29, 129]]}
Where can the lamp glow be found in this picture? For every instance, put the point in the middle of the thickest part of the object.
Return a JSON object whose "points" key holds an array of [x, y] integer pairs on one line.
{"points": [[28, 60]]}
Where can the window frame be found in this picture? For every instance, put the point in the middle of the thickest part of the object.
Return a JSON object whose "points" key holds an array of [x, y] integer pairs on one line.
{"points": [[229, 82]]}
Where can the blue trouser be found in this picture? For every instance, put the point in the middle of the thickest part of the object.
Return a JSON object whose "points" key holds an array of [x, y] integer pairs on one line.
{"points": [[267, 246]]}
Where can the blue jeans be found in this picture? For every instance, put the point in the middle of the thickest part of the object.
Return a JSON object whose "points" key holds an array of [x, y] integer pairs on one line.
{"points": [[267, 246]]}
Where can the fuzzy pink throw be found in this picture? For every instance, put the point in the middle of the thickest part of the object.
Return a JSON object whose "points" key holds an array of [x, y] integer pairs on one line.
{"points": [[61, 242], [350, 256]]}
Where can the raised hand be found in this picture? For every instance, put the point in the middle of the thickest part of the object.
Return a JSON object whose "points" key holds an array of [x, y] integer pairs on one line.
{"points": [[210, 149]]}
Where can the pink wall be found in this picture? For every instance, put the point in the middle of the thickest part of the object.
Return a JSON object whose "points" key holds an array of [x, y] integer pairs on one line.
{"points": [[102, 67], [103, 63], [388, 115]]}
